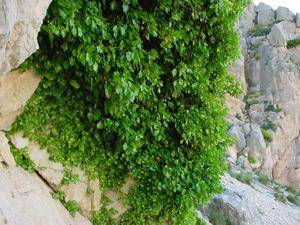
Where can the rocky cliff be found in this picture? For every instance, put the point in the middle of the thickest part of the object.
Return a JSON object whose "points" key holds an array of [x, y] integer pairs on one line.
{"points": [[264, 122]]}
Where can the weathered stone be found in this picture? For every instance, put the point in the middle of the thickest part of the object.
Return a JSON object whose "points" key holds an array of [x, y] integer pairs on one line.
{"points": [[25, 200], [298, 19], [243, 163], [19, 26], [265, 15], [19, 141], [231, 155], [281, 33], [284, 13], [257, 144], [244, 205], [237, 133], [79, 192], [5, 154], [15, 89]]}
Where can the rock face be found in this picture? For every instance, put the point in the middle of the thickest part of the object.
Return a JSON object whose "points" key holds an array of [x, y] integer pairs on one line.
{"points": [[15, 89], [19, 26], [283, 13], [252, 205], [25, 199], [265, 120], [265, 14]]}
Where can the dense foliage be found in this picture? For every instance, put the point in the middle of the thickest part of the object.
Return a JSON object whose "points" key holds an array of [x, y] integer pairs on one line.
{"points": [[293, 43], [136, 88]]}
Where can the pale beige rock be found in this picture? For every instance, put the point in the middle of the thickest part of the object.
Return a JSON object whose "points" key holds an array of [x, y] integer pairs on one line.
{"points": [[5, 154], [19, 141], [19, 26], [53, 174], [96, 195], [15, 89], [25, 200], [49, 170], [78, 192]]}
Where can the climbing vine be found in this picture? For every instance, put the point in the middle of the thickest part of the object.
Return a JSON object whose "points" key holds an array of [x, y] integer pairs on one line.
{"points": [[135, 88]]}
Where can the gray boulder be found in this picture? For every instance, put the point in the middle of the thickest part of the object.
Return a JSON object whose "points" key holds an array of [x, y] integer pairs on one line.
{"points": [[265, 14], [257, 145], [246, 205], [281, 33], [284, 13], [237, 133], [298, 19]]}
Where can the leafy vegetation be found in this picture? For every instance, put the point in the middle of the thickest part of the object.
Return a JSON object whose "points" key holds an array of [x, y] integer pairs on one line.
{"points": [[71, 205], [22, 158], [294, 199], [280, 196], [217, 217], [273, 108], [69, 178], [293, 43], [262, 178], [136, 88], [243, 176], [260, 31], [251, 159], [266, 134], [269, 125]]}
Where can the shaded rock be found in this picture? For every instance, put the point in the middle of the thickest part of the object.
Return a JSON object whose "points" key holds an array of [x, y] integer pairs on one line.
{"points": [[15, 89], [265, 14], [298, 19], [19, 26], [284, 13]]}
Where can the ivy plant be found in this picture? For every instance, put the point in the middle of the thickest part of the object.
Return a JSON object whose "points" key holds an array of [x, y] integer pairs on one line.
{"points": [[135, 88]]}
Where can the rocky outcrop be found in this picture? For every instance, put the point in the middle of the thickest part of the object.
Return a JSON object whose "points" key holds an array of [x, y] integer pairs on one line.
{"points": [[85, 192], [265, 14], [243, 204], [19, 26], [266, 125], [25, 199], [15, 89]]}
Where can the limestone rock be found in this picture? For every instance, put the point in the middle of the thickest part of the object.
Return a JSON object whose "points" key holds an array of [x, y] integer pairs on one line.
{"points": [[298, 19], [284, 13], [238, 135], [25, 200], [257, 144], [15, 89], [19, 26], [244, 205], [5, 155], [265, 14], [281, 33]]}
